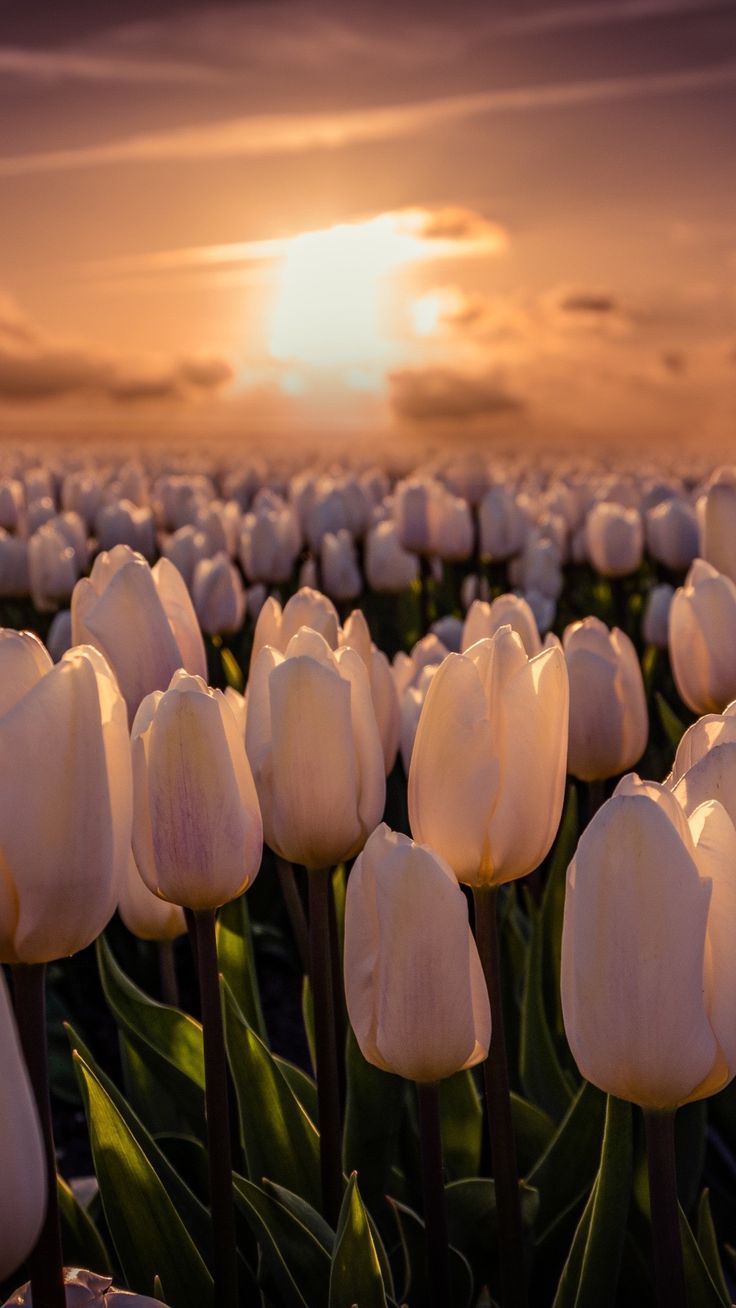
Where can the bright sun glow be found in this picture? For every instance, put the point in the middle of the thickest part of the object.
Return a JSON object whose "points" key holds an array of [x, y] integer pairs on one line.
{"points": [[330, 309]]}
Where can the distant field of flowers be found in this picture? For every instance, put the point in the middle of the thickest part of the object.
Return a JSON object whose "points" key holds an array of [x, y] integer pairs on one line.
{"points": [[348, 961]]}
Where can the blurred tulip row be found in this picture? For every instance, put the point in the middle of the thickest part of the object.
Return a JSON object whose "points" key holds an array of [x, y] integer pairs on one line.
{"points": [[407, 832]]}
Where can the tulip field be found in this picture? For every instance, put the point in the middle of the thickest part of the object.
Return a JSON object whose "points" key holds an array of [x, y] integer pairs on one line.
{"points": [[367, 883]]}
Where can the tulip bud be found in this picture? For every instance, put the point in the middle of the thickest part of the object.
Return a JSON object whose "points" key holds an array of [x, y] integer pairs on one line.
{"points": [[672, 534], [719, 524], [609, 725], [503, 524], [487, 773], [615, 538], [705, 763], [340, 572], [314, 747], [65, 839], [703, 637], [52, 568], [23, 1187], [356, 634], [507, 610], [655, 620], [308, 608], [14, 578], [141, 619], [218, 596], [414, 986], [197, 832], [123, 523], [648, 975], [388, 566]]}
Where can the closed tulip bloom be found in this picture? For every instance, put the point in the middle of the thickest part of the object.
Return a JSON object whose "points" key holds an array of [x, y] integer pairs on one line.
{"points": [[65, 838], [507, 610], [144, 914], [14, 578], [487, 774], [123, 523], [141, 619], [410, 711], [197, 832], [383, 690], [23, 662], [218, 596], [609, 724], [656, 617], [388, 566], [307, 608], [23, 1188], [503, 524], [719, 524], [615, 538], [672, 533], [414, 986], [703, 638], [12, 503], [648, 968], [705, 763], [340, 572], [52, 568], [185, 548], [39, 512], [270, 541], [314, 747]]}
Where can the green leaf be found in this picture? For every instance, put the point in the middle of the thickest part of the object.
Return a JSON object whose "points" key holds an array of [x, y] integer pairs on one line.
{"points": [[232, 670], [355, 1277], [461, 1116], [708, 1246], [237, 963], [279, 1140], [590, 1275], [304, 1213], [472, 1224], [194, 1215], [533, 1130], [416, 1291], [149, 1236], [168, 1041], [83, 1244], [373, 1112], [701, 1288], [300, 1084], [673, 727], [542, 1076], [297, 1261], [564, 1173]]}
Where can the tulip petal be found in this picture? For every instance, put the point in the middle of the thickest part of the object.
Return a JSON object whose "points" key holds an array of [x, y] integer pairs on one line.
{"points": [[715, 848], [633, 952], [23, 1183]]}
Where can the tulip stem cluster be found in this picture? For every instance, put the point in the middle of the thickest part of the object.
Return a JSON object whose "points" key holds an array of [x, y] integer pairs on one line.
{"points": [[498, 1108], [46, 1263], [667, 1245], [218, 1113], [325, 1041], [433, 1190]]}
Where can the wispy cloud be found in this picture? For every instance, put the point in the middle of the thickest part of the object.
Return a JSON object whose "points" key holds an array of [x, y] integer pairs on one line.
{"points": [[270, 134], [605, 13], [79, 66]]}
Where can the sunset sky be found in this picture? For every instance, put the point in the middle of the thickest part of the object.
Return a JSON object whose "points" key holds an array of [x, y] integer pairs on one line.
{"points": [[510, 217]]}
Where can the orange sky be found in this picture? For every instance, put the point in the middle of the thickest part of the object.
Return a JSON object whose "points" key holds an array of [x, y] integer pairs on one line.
{"points": [[488, 219]]}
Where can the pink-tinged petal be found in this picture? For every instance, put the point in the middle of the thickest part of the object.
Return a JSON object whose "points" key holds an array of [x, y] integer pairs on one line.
{"points": [[179, 610], [715, 851], [23, 1181], [455, 773], [633, 954], [23, 661]]}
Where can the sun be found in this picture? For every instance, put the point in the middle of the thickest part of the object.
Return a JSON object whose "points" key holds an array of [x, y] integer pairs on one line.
{"points": [[330, 310]]}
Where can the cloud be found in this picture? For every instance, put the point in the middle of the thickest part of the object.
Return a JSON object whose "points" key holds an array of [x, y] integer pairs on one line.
{"points": [[272, 134], [79, 66], [34, 367], [439, 394], [604, 13]]}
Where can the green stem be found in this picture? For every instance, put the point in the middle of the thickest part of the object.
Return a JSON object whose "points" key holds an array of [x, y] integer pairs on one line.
{"points": [[325, 1040], [167, 973], [667, 1245], [433, 1189], [498, 1109], [294, 909], [46, 1263], [218, 1116]]}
